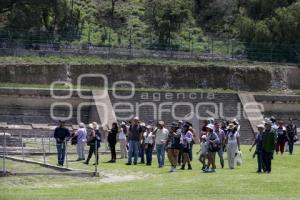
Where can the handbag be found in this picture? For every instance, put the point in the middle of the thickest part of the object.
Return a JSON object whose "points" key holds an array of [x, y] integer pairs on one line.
{"points": [[295, 138], [214, 147]]}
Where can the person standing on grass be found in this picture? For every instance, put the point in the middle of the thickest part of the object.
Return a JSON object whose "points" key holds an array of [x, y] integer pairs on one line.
{"points": [[281, 137], [112, 141], [141, 146], [135, 136], [149, 144], [203, 152], [213, 143], [268, 145], [221, 136], [173, 146], [123, 140], [61, 134], [186, 139], [161, 135], [233, 144], [81, 141], [94, 144], [180, 128], [258, 151], [292, 135]]}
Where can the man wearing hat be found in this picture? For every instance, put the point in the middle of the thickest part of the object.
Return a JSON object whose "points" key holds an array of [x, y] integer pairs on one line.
{"points": [[268, 145], [134, 136], [258, 150], [61, 134], [161, 136]]}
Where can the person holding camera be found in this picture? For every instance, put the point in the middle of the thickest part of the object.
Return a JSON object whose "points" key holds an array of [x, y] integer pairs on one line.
{"points": [[233, 144]]}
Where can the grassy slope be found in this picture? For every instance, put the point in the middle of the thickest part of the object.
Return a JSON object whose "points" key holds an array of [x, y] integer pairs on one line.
{"points": [[96, 60], [241, 183]]}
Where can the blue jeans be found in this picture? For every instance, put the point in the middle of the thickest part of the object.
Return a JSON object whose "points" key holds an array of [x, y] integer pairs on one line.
{"points": [[291, 145], [149, 151], [220, 154], [260, 163], [141, 153], [61, 149], [160, 151], [133, 151]]}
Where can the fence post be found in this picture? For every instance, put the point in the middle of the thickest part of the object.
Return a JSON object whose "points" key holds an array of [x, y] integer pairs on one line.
{"points": [[66, 154], [49, 143], [231, 49], [21, 138], [212, 48], [4, 153], [96, 155], [43, 146]]}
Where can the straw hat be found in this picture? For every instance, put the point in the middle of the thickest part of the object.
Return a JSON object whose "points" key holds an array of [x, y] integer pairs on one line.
{"points": [[148, 126], [231, 126], [90, 126], [260, 126], [210, 126], [162, 123], [81, 125]]}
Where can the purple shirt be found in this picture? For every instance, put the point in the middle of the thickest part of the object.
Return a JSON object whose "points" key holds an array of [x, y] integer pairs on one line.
{"points": [[187, 139], [81, 135], [220, 134]]}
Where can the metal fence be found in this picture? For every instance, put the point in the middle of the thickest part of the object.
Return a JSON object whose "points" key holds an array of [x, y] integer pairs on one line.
{"points": [[41, 150], [131, 44]]}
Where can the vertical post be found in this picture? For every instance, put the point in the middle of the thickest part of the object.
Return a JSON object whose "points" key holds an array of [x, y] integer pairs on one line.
{"points": [[49, 143], [43, 146], [96, 151], [212, 48], [66, 154], [4, 153], [189, 41], [231, 49], [21, 138]]}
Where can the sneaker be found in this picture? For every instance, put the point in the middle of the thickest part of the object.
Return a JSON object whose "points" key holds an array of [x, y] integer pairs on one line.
{"points": [[128, 163], [171, 170], [85, 163], [182, 167], [212, 170], [135, 163], [206, 170]]}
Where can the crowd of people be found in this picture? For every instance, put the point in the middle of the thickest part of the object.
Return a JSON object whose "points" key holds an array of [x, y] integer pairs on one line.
{"points": [[138, 140]]}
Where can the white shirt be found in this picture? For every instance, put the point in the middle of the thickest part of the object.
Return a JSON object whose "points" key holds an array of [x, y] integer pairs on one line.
{"points": [[203, 148], [232, 138], [122, 135], [148, 138], [161, 136]]}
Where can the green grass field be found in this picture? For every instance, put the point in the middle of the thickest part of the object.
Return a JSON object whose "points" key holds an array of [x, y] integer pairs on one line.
{"points": [[155, 183]]}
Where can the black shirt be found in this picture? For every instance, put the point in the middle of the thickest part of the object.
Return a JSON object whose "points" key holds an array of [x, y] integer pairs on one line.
{"points": [[60, 134]]}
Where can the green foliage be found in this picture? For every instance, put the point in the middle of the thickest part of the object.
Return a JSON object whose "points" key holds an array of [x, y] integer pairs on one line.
{"points": [[268, 28], [272, 35]]}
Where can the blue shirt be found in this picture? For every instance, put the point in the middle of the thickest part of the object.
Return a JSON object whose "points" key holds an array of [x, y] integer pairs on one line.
{"points": [[258, 141]]}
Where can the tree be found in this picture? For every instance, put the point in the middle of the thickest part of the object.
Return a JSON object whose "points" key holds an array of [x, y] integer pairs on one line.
{"points": [[167, 17]]}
